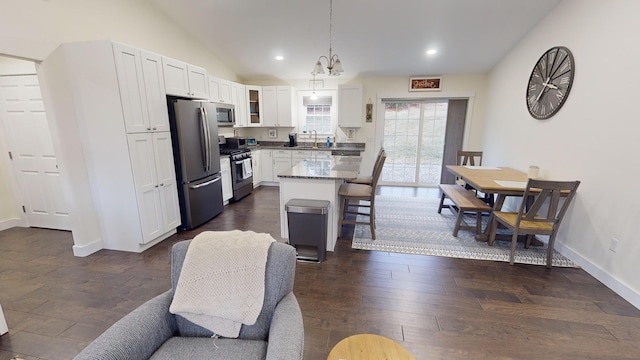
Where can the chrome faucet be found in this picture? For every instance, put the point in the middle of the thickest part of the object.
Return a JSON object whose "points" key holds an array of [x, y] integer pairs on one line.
{"points": [[315, 139]]}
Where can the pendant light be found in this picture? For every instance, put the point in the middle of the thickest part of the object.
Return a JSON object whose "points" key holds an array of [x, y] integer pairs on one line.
{"points": [[333, 61]]}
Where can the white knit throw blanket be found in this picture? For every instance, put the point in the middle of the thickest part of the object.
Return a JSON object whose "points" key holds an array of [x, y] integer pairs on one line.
{"points": [[221, 284]]}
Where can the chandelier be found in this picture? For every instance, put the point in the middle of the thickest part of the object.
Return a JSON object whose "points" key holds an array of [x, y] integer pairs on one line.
{"points": [[333, 61]]}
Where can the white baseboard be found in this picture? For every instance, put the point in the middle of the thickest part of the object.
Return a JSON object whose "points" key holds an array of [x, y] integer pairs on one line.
{"points": [[3, 323], [9, 223], [604, 277], [86, 250]]}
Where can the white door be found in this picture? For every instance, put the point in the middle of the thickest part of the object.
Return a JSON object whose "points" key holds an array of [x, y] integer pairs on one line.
{"points": [[31, 148]]}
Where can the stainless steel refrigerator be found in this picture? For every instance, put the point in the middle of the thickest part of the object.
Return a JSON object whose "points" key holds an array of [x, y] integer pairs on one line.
{"points": [[194, 131]]}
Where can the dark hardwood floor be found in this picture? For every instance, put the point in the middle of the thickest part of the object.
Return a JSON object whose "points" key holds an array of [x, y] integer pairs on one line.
{"points": [[437, 308]]}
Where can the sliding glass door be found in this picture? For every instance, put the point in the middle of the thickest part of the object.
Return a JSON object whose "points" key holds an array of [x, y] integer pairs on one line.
{"points": [[414, 138]]}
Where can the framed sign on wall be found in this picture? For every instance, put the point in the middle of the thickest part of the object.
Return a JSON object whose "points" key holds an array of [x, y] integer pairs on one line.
{"points": [[425, 83]]}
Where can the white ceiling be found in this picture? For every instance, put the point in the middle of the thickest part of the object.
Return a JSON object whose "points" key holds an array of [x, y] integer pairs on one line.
{"points": [[372, 37]]}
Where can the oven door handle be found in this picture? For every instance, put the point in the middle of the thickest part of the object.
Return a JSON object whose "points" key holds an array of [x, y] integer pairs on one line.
{"points": [[238, 162], [205, 183]]}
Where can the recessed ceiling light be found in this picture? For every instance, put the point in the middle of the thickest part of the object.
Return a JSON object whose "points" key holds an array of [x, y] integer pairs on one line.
{"points": [[431, 51], [279, 57]]}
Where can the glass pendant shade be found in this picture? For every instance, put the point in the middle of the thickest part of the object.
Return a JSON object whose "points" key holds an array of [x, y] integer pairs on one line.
{"points": [[318, 68], [337, 67]]}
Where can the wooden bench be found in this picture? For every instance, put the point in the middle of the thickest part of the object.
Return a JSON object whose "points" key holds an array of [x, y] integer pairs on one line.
{"points": [[463, 201]]}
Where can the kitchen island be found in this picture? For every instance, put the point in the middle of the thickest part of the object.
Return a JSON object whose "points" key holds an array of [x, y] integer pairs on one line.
{"points": [[317, 179]]}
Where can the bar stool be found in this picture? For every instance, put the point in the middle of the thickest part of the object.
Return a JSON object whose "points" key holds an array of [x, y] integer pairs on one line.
{"points": [[366, 179], [361, 193]]}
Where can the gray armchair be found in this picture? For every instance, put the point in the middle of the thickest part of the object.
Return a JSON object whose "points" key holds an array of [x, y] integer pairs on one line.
{"points": [[152, 332]]}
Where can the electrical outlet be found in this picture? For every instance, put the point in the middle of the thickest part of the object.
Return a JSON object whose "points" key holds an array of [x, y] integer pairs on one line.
{"points": [[614, 244]]}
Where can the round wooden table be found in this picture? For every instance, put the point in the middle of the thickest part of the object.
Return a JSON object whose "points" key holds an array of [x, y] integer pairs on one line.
{"points": [[369, 347]]}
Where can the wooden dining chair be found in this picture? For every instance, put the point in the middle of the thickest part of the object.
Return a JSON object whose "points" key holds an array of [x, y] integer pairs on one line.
{"points": [[361, 196], [472, 158], [541, 217], [366, 179]]}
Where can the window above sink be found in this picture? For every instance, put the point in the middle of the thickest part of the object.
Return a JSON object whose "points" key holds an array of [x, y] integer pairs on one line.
{"points": [[319, 115]]}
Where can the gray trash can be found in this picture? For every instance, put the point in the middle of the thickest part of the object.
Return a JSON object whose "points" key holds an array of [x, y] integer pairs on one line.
{"points": [[308, 227]]}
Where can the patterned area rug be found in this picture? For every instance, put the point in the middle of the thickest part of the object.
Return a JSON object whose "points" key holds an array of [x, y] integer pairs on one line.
{"points": [[413, 226]]}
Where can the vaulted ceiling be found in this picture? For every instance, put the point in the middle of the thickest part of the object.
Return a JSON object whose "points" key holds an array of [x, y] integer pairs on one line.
{"points": [[372, 37]]}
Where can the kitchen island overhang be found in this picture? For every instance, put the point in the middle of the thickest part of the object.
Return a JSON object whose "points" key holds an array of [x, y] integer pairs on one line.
{"points": [[317, 179]]}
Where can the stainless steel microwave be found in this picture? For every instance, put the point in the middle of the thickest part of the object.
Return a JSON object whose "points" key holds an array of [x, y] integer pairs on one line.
{"points": [[225, 114]]}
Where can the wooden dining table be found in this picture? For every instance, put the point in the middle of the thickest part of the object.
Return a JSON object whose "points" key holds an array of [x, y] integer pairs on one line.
{"points": [[499, 181]]}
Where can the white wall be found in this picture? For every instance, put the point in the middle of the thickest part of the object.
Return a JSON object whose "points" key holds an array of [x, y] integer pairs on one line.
{"points": [[33, 28], [13, 66], [592, 138]]}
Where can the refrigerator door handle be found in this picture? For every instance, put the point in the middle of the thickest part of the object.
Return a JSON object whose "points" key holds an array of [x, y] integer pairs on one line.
{"points": [[208, 130], [205, 183], [204, 141]]}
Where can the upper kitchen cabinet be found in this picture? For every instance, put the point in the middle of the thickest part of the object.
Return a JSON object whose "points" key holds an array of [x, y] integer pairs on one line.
{"points": [[182, 79], [254, 105], [350, 106], [142, 92], [220, 90], [239, 99], [278, 106]]}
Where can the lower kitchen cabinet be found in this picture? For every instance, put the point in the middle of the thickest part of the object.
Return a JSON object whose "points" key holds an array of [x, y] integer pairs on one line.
{"points": [[281, 162], [299, 155], [256, 166], [155, 183], [266, 165], [227, 185]]}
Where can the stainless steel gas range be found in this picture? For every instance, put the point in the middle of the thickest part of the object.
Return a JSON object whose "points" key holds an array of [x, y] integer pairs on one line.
{"points": [[241, 167]]}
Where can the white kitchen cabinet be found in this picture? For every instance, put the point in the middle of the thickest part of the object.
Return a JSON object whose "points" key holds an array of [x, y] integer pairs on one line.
{"points": [[350, 106], [109, 175], [182, 79], [322, 155], [254, 105], [266, 165], [274, 161], [142, 91], [155, 182], [299, 155], [281, 162], [269, 106], [227, 185], [220, 90], [278, 106], [239, 99], [255, 165]]}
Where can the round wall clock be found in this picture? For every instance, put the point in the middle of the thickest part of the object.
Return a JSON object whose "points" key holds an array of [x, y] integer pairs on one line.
{"points": [[550, 82]]}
